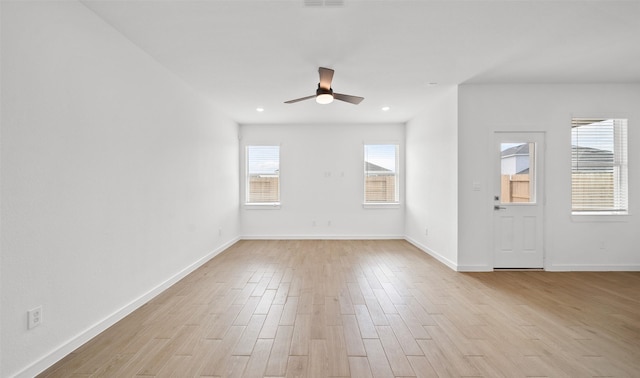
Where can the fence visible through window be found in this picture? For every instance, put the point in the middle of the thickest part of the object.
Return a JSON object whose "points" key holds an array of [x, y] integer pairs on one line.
{"points": [[264, 189], [380, 188], [515, 188]]}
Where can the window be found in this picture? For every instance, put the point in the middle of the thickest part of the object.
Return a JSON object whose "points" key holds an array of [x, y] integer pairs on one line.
{"points": [[599, 166], [381, 174], [263, 175]]}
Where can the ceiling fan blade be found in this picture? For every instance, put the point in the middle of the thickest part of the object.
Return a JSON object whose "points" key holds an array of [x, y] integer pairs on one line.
{"points": [[348, 98], [299, 99], [326, 75]]}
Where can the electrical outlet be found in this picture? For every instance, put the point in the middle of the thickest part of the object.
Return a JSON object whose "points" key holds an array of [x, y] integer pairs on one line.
{"points": [[34, 317], [426, 232], [220, 232]]}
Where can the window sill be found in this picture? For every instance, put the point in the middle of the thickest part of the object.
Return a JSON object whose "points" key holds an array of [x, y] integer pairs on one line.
{"points": [[262, 206], [394, 205], [600, 217]]}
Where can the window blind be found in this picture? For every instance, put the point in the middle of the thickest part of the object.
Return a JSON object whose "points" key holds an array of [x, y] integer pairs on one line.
{"points": [[263, 174], [381, 173], [599, 180]]}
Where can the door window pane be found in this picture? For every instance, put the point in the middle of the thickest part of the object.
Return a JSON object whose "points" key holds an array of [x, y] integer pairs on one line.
{"points": [[517, 172]]}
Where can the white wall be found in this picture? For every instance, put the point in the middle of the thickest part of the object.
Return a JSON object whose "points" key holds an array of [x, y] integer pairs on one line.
{"points": [[571, 243], [111, 179], [116, 178], [322, 180], [431, 179]]}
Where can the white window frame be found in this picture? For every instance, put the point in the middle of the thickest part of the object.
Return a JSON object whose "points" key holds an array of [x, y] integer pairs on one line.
{"points": [[247, 186], [620, 170], [381, 204]]}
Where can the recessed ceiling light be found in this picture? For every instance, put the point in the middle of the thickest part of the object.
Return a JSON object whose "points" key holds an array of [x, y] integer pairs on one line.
{"points": [[385, 108], [260, 110]]}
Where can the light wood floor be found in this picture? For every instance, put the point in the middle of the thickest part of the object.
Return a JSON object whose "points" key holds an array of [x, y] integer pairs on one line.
{"points": [[370, 309]]}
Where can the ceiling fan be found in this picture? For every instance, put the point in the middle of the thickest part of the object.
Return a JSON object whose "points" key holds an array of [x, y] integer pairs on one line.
{"points": [[325, 94]]}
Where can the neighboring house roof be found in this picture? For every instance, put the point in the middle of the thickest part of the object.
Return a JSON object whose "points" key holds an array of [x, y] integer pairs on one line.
{"points": [[592, 151], [522, 149], [591, 158], [370, 167]]}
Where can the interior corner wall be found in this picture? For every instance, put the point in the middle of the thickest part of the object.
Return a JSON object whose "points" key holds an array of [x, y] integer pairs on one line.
{"points": [[571, 242], [111, 172], [322, 183], [1, 112], [431, 215]]}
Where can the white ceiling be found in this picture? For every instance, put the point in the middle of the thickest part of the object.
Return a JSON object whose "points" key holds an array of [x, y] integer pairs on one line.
{"points": [[246, 54]]}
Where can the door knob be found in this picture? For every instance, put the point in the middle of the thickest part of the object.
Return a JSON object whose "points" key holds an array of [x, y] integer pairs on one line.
{"points": [[497, 207]]}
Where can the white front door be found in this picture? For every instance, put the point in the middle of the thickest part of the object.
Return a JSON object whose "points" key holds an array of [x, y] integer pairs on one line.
{"points": [[517, 203]]}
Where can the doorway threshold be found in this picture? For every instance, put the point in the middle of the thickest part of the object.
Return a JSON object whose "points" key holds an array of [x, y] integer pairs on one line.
{"points": [[518, 269]]}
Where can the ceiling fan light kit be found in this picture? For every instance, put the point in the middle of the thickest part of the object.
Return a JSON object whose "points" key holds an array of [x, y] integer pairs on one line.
{"points": [[324, 96], [324, 93]]}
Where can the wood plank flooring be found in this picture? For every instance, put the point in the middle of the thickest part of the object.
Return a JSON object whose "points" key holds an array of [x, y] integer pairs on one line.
{"points": [[369, 309]]}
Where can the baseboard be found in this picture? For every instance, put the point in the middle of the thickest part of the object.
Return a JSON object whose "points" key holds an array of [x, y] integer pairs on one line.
{"points": [[322, 237], [86, 335], [592, 268], [475, 268], [432, 253]]}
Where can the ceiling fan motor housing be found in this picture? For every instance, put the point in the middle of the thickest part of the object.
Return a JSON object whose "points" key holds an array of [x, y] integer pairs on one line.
{"points": [[321, 90]]}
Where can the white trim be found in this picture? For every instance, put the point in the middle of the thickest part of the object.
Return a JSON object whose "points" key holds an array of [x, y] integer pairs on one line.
{"points": [[262, 206], [381, 205], [475, 268], [75, 342], [593, 268], [432, 253], [602, 217], [322, 237]]}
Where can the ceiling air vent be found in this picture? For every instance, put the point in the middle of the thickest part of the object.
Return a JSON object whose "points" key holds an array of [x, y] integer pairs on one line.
{"points": [[323, 3]]}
